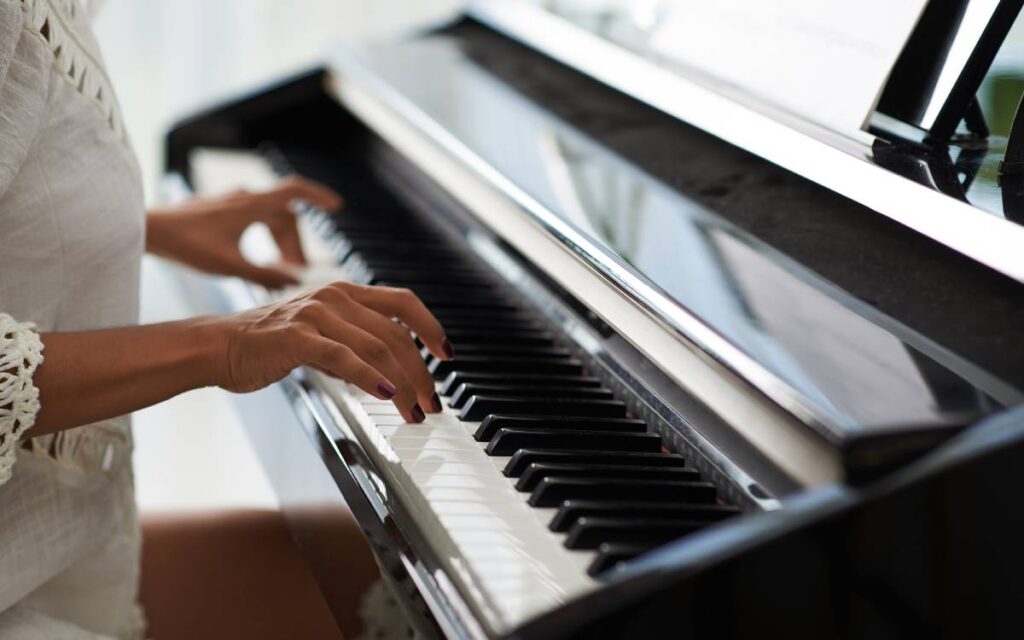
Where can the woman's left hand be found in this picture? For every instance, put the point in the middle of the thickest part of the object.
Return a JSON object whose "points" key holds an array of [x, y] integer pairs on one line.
{"points": [[204, 233]]}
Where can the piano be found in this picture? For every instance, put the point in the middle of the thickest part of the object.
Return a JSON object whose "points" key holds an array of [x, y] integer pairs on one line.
{"points": [[720, 371]]}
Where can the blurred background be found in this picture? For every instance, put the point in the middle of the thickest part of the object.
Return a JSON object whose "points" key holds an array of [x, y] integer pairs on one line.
{"points": [[168, 58]]}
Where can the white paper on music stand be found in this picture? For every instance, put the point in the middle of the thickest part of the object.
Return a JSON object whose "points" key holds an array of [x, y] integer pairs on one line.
{"points": [[825, 60]]}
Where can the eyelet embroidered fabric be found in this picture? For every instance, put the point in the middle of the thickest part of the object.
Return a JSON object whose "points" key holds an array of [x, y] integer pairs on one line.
{"points": [[76, 56], [21, 352]]}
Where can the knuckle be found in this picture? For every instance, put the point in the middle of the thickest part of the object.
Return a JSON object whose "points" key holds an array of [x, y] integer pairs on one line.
{"points": [[377, 349], [342, 355], [311, 308]]}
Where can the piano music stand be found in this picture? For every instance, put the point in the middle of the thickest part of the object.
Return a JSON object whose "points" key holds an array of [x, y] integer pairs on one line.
{"points": [[934, 82]]}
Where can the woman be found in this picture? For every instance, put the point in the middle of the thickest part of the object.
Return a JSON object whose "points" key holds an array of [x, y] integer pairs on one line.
{"points": [[72, 231]]}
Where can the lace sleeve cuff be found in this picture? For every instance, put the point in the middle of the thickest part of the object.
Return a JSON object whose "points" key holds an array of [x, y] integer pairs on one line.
{"points": [[21, 352]]}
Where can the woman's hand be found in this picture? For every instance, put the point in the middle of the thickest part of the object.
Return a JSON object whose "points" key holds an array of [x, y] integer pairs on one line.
{"points": [[346, 330], [204, 233]]}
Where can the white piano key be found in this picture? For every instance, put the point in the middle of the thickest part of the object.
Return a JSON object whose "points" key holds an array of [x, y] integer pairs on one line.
{"points": [[382, 409], [499, 547], [394, 420]]}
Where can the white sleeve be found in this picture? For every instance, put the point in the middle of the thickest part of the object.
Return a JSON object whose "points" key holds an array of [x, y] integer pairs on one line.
{"points": [[21, 352]]}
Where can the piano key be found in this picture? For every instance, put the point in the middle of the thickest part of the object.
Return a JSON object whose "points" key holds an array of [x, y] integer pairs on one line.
{"points": [[525, 457], [448, 276], [432, 289], [515, 350], [469, 390], [479, 407], [491, 424], [457, 378], [538, 471], [507, 441], [590, 533], [610, 555], [488, 314], [483, 364], [477, 336], [553, 491], [571, 511]]}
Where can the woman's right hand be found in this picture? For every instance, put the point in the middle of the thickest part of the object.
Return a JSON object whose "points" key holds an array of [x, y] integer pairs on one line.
{"points": [[360, 334]]}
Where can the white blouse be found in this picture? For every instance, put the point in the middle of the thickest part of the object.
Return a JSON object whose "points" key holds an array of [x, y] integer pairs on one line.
{"points": [[71, 239]]}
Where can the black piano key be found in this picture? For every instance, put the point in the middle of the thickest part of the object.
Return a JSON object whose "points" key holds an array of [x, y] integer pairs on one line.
{"points": [[610, 555], [590, 533], [367, 248], [491, 424], [524, 339], [452, 277], [491, 315], [515, 350], [538, 471], [442, 307], [483, 364], [507, 441], [553, 491], [479, 407], [433, 289], [411, 254], [572, 510], [525, 457], [499, 325], [463, 394], [479, 336], [458, 378]]}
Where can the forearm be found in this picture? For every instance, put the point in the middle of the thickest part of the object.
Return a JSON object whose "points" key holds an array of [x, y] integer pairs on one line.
{"points": [[92, 375]]}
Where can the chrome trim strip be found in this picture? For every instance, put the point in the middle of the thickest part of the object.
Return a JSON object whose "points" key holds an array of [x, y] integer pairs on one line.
{"points": [[827, 158]]}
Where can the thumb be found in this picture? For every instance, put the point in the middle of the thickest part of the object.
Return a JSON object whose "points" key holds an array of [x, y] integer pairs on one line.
{"points": [[270, 276]]}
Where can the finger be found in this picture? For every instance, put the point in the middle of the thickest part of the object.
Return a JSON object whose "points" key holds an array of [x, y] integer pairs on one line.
{"points": [[342, 362], [372, 348], [316, 194], [404, 350], [284, 227], [404, 305], [271, 277]]}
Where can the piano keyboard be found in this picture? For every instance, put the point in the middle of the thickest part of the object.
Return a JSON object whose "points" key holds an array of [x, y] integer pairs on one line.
{"points": [[535, 479]]}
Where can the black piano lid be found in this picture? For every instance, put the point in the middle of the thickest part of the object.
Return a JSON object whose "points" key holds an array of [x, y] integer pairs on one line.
{"points": [[862, 375]]}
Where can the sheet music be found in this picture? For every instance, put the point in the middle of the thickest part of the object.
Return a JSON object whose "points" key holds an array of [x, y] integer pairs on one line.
{"points": [[826, 60]]}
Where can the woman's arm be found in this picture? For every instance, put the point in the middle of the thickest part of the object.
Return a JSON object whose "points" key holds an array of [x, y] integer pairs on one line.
{"points": [[346, 330]]}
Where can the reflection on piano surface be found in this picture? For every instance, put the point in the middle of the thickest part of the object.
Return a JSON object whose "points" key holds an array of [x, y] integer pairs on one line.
{"points": [[695, 394]]}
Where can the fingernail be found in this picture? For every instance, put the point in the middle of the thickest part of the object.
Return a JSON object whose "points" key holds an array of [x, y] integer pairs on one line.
{"points": [[449, 350], [386, 389], [417, 413], [435, 402]]}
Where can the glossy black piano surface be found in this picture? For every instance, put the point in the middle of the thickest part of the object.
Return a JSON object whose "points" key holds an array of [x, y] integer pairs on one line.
{"points": [[886, 343]]}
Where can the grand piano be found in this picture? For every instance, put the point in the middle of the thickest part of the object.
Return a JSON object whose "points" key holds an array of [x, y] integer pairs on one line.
{"points": [[723, 369]]}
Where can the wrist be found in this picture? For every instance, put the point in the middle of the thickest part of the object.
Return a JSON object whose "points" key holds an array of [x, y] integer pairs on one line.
{"points": [[155, 231], [211, 336]]}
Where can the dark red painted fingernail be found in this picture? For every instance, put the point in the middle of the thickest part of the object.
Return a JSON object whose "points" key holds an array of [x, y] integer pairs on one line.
{"points": [[449, 350], [386, 389], [417, 413], [435, 402]]}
